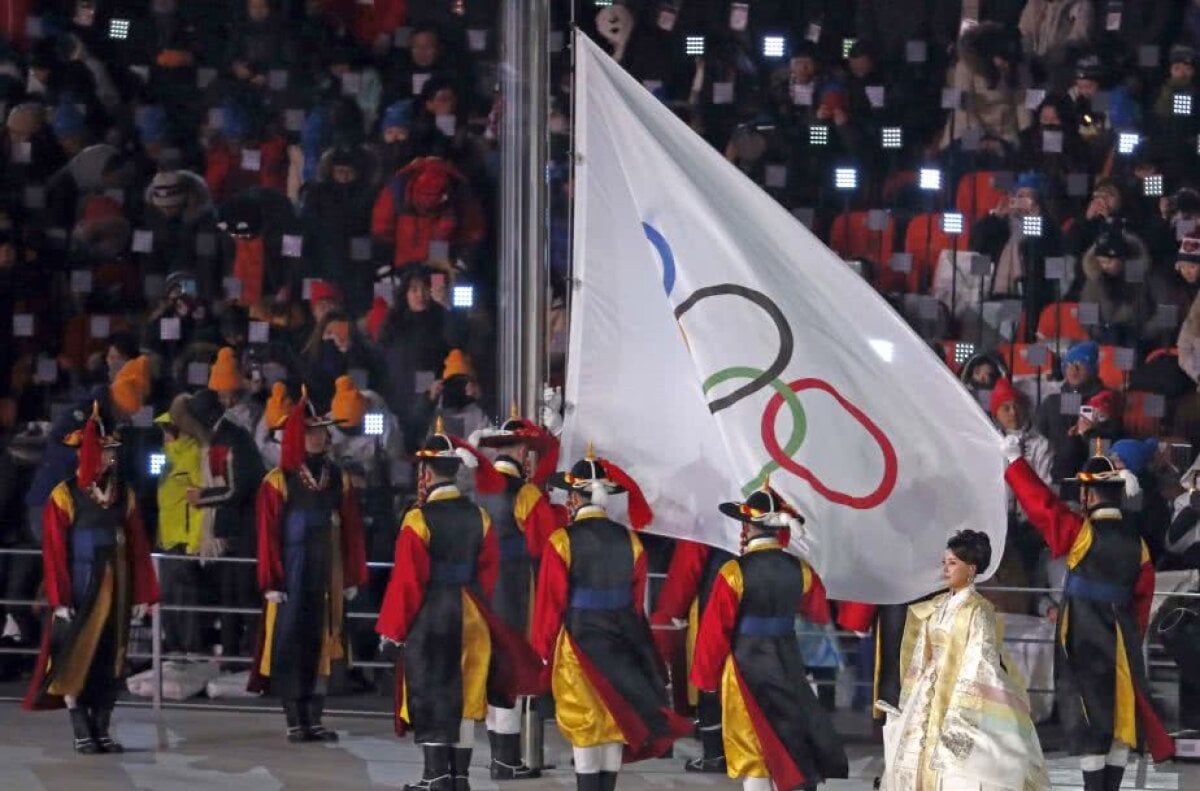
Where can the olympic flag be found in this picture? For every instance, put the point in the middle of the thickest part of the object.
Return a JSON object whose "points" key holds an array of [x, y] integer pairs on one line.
{"points": [[715, 341]]}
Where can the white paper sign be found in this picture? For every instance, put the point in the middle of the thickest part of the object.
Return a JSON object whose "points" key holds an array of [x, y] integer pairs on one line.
{"points": [[293, 120], [293, 245], [802, 94], [351, 83], [259, 332], [446, 124], [439, 250], [875, 95], [22, 325], [1034, 98], [169, 329], [100, 327], [232, 287], [360, 248], [418, 82], [277, 79], [477, 40], [46, 371], [251, 159], [81, 281], [722, 93], [197, 374], [143, 241], [776, 176], [23, 152]]}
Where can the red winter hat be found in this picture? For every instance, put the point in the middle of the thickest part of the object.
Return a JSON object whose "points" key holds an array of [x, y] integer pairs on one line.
{"points": [[101, 207], [321, 289], [1105, 404], [1002, 393], [376, 317]]}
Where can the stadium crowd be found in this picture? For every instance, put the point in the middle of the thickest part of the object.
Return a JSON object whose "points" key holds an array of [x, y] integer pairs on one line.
{"points": [[204, 204]]}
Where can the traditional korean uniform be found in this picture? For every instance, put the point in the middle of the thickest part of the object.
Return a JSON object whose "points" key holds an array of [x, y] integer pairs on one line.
{"points": [[589, 626], [457, 653], [311, 561], [775, 729], [98, 576], [1101, 688]]}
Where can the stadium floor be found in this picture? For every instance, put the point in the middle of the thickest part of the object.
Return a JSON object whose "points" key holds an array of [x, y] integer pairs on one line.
{"points": [[196, 750]]}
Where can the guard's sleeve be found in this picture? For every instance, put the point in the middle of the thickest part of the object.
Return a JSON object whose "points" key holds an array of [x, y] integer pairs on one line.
{"points": [[536, 518], [855, 616], [354, 552], [682, 583], [488, 565], [715, 638], [552, 591], [406, 587], [814, 604], [56, 521], [272, 498], [1057, 523], [145, 581]]}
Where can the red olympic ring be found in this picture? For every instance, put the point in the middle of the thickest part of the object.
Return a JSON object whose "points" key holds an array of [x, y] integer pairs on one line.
{"points": [[771, 443]]}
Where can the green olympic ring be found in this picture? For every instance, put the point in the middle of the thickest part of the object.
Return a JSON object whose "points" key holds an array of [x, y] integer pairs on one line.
{"points": [[790, 397]]}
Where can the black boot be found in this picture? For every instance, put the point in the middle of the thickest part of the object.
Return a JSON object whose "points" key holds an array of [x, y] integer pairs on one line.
{"points": [[100, 719], [462, 768], [506, 758], [85, 743], [1094, 781], [589, 782], [608, 781], [439, 770], [1113, 775], [296, 715], [713, 759], [316, 732]]}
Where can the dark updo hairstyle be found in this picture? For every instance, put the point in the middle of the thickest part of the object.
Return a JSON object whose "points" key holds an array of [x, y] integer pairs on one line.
{"points": [[971, 547]]}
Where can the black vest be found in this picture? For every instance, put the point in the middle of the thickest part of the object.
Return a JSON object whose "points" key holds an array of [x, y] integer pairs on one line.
{"points": [[504, 521], [772, 586], [309, 513], [94, 534], [455, 540], [601, 574]]}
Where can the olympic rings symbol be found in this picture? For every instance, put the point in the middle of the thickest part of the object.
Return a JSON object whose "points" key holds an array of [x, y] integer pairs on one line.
{"points": [[781, 457], [890, 463], [799, 421], [786, 340]]}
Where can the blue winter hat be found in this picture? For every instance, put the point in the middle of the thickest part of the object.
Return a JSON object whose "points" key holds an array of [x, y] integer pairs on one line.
{"points": [[1030, 180], [67, 119], [398, 114], [151, 123], [234, 122], [314, 138], [1086, 353], [1135, 454]]}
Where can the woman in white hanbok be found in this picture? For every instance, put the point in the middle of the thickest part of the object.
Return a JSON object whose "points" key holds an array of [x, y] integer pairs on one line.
{"points": [[963, 722]]}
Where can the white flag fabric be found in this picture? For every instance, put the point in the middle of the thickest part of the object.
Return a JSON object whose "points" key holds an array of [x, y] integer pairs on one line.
{"points": [[715, 341]]}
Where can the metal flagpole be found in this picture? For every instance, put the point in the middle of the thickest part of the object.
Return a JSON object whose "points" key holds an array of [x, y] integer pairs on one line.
{"points": [[524, 217], [524, 82]]}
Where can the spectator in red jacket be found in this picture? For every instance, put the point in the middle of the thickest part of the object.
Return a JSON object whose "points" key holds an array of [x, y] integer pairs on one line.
{"points": [[428, 201], [243, 156]]}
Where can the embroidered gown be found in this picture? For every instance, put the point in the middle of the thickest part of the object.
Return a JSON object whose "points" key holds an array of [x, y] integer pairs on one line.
{"points": [[964, 723]]}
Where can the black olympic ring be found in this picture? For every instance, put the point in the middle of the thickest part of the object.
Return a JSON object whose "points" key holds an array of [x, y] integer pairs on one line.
{"points": [[786, 339]]}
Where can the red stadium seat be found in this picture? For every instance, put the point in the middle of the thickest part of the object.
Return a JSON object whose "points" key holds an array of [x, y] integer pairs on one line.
{"points": [[924, 240], [1112, 376], [1018, 362], [976, 195], [851, 237], [1134, 418]]}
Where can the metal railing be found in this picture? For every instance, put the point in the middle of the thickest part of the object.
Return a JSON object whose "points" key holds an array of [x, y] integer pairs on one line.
{"points": [[158, 656]]}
